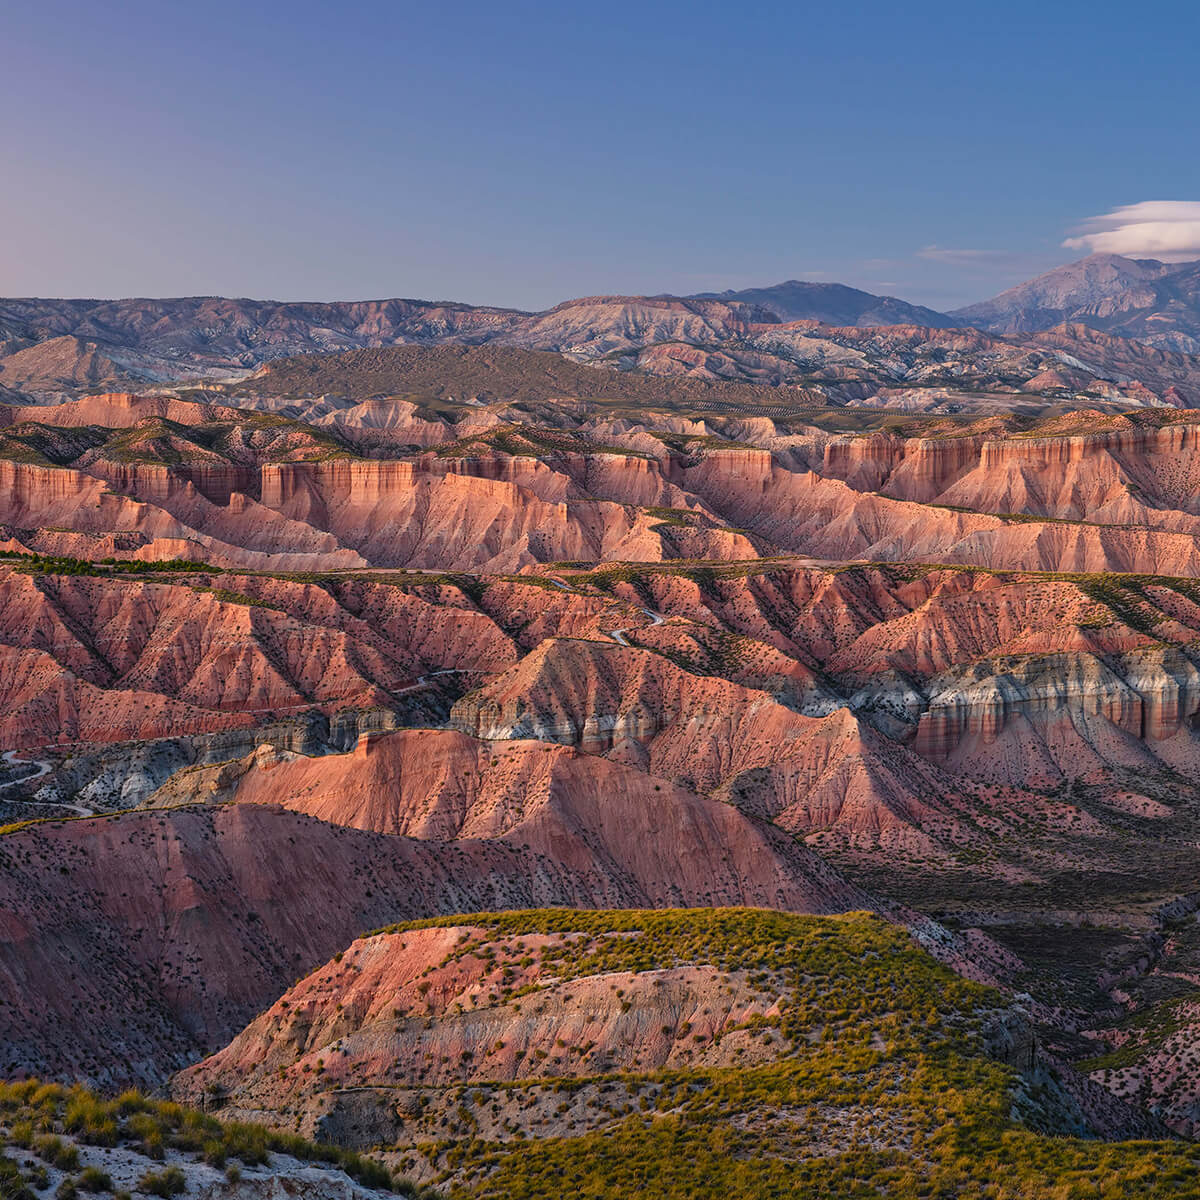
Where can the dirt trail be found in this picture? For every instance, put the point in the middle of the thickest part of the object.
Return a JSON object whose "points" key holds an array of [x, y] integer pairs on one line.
{"points": [[617, 635], [42, 767]]}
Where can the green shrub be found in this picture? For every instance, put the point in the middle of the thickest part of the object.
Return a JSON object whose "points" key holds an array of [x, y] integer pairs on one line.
{"points": [[93, 1179], [56, 1152], [153, 1126], [168, 1182]]}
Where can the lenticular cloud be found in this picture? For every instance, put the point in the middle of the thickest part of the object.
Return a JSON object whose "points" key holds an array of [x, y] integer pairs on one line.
{"points": [[1168, 230]]}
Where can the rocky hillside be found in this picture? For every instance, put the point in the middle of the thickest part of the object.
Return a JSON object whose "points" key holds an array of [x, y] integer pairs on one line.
{"points": [[135, 943], [698, 1053], [489, 374], [209, 335], [213, 337]]}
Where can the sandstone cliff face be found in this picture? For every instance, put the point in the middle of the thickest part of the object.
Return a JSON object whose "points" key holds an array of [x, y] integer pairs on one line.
{"points": [[634, 705], [1082, 713], [397, 514]]}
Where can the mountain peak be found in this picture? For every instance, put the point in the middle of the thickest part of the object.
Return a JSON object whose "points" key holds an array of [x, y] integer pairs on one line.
{"points": [[1142, 298], [832, 304]]}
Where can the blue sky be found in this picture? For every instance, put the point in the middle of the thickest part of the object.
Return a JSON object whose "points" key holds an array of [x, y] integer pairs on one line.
{"points": [[522, 153]]}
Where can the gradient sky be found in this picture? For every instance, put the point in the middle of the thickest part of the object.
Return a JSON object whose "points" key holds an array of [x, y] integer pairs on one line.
{"points": [[522, 153]]}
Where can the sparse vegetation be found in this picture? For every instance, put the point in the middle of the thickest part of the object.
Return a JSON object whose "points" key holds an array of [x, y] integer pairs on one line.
{"points": [[43, 1116], [877, 1084]]}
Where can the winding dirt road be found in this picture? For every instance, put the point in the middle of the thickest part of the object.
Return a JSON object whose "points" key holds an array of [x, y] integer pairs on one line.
{"points": [[42, 767]]}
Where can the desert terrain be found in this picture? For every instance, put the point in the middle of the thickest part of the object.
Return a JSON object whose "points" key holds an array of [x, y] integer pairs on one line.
{"points": [[458, 735]]}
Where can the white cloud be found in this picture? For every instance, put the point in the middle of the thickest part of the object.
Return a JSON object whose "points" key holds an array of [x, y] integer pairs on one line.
{"points": [[1168, 230]]}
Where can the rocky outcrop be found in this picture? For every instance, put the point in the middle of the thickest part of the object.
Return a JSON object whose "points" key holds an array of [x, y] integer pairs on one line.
{"points": [[1084, 713], [524, 1028]]}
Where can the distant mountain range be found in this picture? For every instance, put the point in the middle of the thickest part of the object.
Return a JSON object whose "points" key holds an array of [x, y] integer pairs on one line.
{"points": [[1151, 301], [1154, 302], [55, 345]]}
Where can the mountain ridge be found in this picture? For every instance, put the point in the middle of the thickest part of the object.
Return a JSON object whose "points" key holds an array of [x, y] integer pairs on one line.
{"points": [[58, 346], [833, 304]]}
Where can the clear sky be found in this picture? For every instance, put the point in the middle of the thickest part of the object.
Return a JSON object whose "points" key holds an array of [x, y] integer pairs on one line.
{"points": [[501, 151]]}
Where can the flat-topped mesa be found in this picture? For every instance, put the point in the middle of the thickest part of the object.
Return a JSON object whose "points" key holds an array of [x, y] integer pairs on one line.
{"points": [[116, 410]]}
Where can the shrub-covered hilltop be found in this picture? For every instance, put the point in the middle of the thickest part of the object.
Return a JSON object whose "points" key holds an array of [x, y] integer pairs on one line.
{"points": [[69, 1142], [680, 1053]]}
